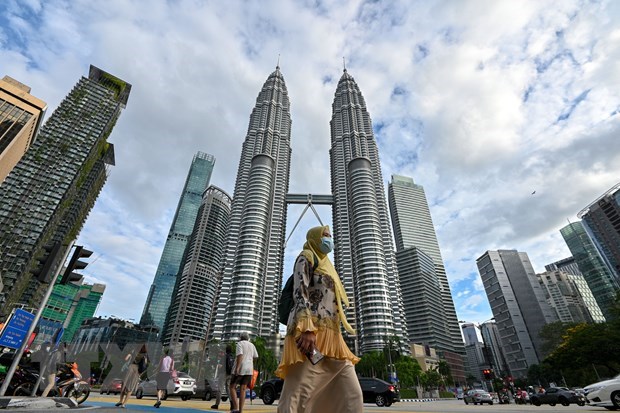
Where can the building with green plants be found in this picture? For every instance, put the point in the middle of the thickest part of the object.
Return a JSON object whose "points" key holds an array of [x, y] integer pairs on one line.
{"points": [[46, 198], [71, 304]]}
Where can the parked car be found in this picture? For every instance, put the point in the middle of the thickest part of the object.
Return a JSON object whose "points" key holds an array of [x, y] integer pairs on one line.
{"points": [[476, 396], [555, 395], [604, 393], [209, 390], [271, 389], [111, 386], [378, 391], [183, 386]]}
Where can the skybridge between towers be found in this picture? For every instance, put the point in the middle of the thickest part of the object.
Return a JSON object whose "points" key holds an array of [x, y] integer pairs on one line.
{"points": [[309, 200]]}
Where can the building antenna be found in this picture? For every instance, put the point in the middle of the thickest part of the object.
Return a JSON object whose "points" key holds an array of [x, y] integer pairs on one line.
{"points": [[278, 65], [344, 65]]}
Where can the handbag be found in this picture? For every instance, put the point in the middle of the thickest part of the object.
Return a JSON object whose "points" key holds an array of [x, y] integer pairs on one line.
{"points": [[254, 377]]}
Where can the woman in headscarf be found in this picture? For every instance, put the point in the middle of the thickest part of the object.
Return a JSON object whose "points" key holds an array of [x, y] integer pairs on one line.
{"points": [[331, 384]]}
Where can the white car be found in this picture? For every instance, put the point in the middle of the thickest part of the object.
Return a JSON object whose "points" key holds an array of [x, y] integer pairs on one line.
{"points": [[605, 393], [183, 386]]}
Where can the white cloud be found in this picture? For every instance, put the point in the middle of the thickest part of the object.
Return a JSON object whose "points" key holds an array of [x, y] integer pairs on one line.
{"points": [[467, 98]]}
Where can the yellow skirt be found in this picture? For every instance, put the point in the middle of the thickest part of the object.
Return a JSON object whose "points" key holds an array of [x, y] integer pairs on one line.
{"points": [[328, 341]]}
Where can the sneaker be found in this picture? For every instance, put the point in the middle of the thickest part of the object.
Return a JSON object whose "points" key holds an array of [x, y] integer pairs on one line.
{"points": [[157, 404], [215, 406], [118, 404]]}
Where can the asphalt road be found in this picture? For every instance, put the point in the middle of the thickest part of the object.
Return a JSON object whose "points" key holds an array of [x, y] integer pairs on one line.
{"points": [[105, 404]]}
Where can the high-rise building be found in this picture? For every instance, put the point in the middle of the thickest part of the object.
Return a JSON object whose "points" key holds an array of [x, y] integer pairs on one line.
{"points": [[564, 295], [252, 275], [422, 299], [44, 201], [602, 221], [492, 348], [469, 333], [518, 305], [364, 254], [71, 304], [20, 117], [196, 287], [595, 270], [160, 294], [569, 266], [413, 227]]}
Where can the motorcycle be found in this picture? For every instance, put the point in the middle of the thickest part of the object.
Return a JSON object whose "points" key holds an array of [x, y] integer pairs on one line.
{"points": [[70, 383]]}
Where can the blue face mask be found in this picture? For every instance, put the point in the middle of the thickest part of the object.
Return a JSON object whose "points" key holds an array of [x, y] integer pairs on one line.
{"points": [[327, 245]]}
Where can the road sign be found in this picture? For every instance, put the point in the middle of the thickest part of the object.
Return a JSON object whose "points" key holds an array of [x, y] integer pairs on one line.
{"points": [[16, 329]]}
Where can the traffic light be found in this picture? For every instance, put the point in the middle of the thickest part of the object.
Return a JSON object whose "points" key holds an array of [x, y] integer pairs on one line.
{"points": [[47, 261], [488, 374], [75, 264]]}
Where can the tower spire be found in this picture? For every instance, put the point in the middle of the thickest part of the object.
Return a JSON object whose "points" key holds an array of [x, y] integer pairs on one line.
{"points": [[278, 65], [344, 65]]}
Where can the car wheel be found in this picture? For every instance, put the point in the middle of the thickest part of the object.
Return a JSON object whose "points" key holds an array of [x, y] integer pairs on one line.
{"points": [[564, 402], [139, 393], [615, 399], [536, 402], [475, 403], [491, 403], [207, 396], [581, 403], [224, 398], [551, 404], [108, 393], [101, 391], [388, 403], [185, 398], [466, 402], [268, 395], [380, 400]]}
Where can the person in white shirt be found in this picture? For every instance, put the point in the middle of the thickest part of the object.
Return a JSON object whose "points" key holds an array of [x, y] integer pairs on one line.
{"points": [[166, 365], [242, 372]]}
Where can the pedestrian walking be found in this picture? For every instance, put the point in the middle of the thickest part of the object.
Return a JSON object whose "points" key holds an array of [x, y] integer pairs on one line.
{"points": [[52, 359], [166, 366], [242, 370], [133, 361], [314, 384], [228, 365]]}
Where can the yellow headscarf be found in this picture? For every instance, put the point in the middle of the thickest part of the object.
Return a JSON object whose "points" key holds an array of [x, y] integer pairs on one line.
{"points": [[312, 245]]}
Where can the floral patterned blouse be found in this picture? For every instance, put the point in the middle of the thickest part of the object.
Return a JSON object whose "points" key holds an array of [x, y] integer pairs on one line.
{"points": [[315, 310], [314, 297]]}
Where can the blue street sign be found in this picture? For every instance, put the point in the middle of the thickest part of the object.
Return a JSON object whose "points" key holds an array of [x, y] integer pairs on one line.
{"points": [[16, 329]]}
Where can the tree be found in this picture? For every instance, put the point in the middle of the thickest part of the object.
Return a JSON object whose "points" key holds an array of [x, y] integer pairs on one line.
{"points": [[443, 368], [409, 371], [372, 365], [553, 334], [430, 379], [267, 362]]}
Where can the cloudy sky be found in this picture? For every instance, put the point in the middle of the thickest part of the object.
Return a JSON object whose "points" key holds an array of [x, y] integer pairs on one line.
{"points": [[481, 102]]}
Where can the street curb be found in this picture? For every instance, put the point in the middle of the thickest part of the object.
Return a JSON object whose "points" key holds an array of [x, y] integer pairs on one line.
{"points": [[36, 403], [418, 400]]}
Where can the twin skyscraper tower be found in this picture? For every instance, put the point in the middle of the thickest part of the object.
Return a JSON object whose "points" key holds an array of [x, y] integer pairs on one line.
{"points": [[250, 277]]}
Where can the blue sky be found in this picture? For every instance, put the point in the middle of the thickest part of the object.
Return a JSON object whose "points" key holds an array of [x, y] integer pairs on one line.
{"points": [[481, 102]]}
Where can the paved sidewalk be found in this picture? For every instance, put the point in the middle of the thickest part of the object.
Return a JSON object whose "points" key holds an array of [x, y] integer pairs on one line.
{"points": [[36, 403]]}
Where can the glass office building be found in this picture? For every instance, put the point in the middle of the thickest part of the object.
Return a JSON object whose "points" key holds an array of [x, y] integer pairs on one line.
{"points": [[413, 227], [160, 294], [45, 199], [593, 267], [196, 286]]}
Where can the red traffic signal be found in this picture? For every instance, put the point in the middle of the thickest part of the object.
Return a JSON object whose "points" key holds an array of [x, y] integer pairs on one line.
{"points": [[488, 374]]}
